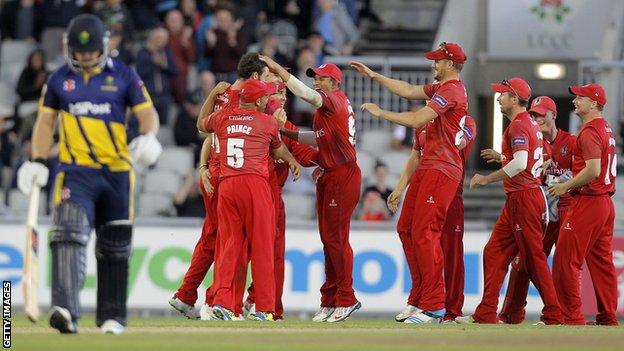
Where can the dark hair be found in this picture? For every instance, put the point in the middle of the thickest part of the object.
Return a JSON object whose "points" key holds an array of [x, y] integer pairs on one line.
{"points": [[250, 63], [599, 107], [523, 102], [380, 164], [32, 54], [458, 66], [226, 6]]}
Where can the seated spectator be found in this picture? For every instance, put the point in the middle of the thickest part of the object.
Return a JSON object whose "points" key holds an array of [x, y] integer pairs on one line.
{"points": [[336, 26], [183, 49], [156, 67], [188, 200], [33, 77], [380, 179], [20, 20], [316, 43], [28, 88], [185, 130], [225, 44], [374, 208]]}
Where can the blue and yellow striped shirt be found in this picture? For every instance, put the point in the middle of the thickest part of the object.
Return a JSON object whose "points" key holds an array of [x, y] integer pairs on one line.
{"points": [[92, 111]]}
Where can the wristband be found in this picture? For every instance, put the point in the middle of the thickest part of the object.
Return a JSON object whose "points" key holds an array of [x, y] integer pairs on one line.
{"points": [[41, 160]]}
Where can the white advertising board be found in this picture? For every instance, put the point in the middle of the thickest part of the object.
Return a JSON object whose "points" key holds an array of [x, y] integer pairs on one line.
{"points": [[162, 254]]}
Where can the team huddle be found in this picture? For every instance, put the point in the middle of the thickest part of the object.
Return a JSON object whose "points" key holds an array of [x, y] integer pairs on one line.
{"points": [[558, 188]]}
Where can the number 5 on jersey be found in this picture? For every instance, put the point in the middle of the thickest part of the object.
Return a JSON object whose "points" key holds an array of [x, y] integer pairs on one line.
{"points": [[235, 155]]}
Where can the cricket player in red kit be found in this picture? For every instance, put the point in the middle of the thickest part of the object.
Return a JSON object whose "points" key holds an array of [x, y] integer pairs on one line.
{"points": [[439, 173], [558, 146], [247, 138], [587, 230], [452, 233], [278, 173], [519, 229], [222, 96], [338, 189]]}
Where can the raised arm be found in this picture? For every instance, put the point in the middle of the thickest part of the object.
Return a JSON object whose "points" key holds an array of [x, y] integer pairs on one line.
{"points": [[409, 119], [296, 86], [399, 87], [208, 106]]}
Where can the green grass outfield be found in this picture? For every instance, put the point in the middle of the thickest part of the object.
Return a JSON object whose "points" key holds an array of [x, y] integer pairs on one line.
{"points": [[161, 333]]}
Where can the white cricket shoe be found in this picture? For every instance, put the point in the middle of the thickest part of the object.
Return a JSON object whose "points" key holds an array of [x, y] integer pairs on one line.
{"points": [[426, 317], [111, 326], [249, 310], [322, 314], [205, 313], [342, 313], [408, 311], [449, 321], [187, 310]]}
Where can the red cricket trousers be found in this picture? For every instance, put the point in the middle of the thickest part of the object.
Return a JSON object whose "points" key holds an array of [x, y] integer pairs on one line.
{"points": [[587, 234], [280, 248], [337, 195], [246, 211], [513, 311], [518, 232], [453, 250], [204, 253], [423, 217]]}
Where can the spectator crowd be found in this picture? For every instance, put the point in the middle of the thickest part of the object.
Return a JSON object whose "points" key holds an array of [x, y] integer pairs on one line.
{"points": [[180, 49]]}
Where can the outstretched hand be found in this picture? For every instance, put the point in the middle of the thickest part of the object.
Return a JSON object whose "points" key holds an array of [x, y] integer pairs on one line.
{"points": [[490, 155], [362, 69], [373, 109]]}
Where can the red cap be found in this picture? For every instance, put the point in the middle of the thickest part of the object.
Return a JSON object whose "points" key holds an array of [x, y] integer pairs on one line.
{"points": [[593, 91], [447, 51], [254, 89], [542, 104], [515, 85], [326, 70]]}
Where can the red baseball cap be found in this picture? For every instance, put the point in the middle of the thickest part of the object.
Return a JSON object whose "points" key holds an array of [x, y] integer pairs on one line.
{"points": [[326, 70], [254, 89], [542, 104], [593, 91], [447, 51], [515, 85]]}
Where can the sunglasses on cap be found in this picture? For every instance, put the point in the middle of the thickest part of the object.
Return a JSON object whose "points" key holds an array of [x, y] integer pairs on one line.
{"points": [[444, 50], [506, 83]]}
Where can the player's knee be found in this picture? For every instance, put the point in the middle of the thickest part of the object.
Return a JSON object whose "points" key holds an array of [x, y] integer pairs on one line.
{"points": [[70, 224], [114, 241]]}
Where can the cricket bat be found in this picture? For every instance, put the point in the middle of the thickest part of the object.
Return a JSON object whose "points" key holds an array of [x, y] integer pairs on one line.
{"points": [[31, 258]]}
